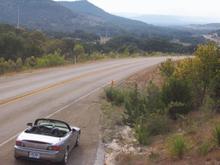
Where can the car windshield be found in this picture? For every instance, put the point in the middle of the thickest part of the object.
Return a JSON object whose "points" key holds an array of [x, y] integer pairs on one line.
{"points": [[49, 127], [52, 124]]}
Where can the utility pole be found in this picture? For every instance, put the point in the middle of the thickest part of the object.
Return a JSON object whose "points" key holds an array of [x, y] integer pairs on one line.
{"points": [[18, 17]]}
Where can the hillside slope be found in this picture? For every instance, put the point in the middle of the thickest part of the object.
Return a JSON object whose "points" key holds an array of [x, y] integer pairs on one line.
{"points": [[109, 20], [39, 14], [48, 15]]}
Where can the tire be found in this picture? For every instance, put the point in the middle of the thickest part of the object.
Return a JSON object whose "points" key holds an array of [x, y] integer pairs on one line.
{"points": [[16, 157], [65, 158]]}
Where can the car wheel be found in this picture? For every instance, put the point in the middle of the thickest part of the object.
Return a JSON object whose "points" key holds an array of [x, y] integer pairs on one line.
{"points": [[65, 158], [77, 141], [16, 157]]}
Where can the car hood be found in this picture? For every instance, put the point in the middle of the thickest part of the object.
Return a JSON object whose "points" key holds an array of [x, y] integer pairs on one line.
{"points": [[39, 138]]}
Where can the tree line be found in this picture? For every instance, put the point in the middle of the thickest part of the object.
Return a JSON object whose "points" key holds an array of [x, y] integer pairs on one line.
{"points": [[21, 48]]}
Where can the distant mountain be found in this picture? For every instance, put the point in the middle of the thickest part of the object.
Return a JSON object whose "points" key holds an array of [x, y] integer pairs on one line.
{"points": [[39, 14], [78, 16], [208, 27], [172, 20], [162, 20], [48, 15], [108, 21]]}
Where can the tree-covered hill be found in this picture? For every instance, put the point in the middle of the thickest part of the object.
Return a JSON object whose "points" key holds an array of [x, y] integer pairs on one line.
{"points": [[108, 20], [69, 17], [48, 15]]}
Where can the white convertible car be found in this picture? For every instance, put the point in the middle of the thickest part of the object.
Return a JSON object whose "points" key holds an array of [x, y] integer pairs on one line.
{"points": [[47, 139]]}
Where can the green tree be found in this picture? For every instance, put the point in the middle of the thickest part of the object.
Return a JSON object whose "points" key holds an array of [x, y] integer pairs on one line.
{"points": [[78, 50], [207, 65]]}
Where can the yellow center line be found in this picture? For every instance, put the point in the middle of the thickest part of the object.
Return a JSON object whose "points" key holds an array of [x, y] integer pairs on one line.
{"points": [[48, 87]]}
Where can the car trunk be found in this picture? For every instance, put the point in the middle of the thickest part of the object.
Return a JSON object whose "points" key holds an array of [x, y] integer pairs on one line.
{"points": [[38, 141], [36, 144]]}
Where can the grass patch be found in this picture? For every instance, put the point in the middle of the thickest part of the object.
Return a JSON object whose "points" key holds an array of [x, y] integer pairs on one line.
{"points": [[204, 148], [216, 134], [177, 146]]}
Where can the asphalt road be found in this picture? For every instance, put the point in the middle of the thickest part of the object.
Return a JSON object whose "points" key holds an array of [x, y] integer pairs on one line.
{"points": [[66, 93]]}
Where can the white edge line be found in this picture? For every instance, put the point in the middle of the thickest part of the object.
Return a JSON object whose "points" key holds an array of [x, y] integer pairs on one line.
{"points": [[7, 141], [77, 100], [59, 110]]}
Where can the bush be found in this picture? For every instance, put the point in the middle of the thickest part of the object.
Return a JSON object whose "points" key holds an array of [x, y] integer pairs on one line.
{"points": [[9, 65], [152, 99], [216, 134], [167, 68], [177, 146], [30, 62], [114, 95], [142, 133], [135, 107], [151, 126], [2, 65], [50, 60], [176, 95], [215, 91], [176, 108], [204, 148], [157, 125], [176, 90]]}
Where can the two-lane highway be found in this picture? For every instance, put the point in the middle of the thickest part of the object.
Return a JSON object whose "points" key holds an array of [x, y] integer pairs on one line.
{"points": [[53, 93]]}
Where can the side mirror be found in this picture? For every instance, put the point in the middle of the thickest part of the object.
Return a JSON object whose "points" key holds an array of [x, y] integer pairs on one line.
{"points": [[29, 124], [73, 130]]}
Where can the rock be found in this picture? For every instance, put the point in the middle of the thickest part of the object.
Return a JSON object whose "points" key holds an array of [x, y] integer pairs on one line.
{"points": [[131, 150], [127, 134], [114, 146], [124, 143], [139, 149]]}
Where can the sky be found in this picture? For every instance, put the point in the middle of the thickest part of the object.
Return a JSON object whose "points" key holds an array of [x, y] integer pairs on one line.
{"points": [[201, 8]]}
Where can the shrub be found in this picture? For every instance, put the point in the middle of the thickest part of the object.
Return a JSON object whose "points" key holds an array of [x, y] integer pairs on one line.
{"points": [[115, 95], [11, 65], [215, 91], [167, 68], [151, 126], [135, 106], [176, 95], [176, 90], [153, 101], [50, 60], [19, 64], [157, 124], [204, 148], [7, 66], [30, 62], [216, 134], [177, 146], [142, 133], [2, 65], [176, 108]]}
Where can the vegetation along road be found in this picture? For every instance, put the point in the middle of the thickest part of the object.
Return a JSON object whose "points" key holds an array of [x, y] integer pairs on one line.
{"points": [[65, 93]]}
